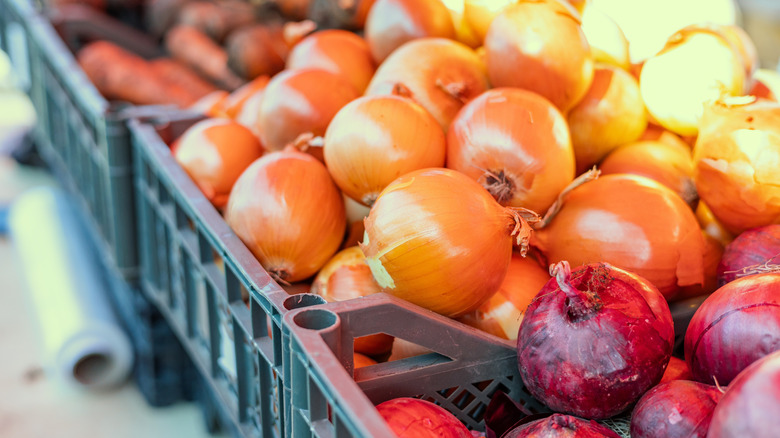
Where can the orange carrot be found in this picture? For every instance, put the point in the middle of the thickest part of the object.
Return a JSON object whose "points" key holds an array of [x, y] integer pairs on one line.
{"points": [[119, 74], [179, 74], [197, 50]]}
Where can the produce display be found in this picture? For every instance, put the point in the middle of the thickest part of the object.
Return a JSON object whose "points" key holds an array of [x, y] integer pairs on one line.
{"points": [[554, 173]]}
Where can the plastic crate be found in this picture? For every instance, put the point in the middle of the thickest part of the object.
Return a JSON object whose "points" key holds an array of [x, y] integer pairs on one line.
{"points": [[15, 18], [201, 276], [80, 135]]}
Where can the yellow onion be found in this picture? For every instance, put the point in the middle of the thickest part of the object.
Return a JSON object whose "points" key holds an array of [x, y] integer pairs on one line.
{"points": [[502, 313], [479, 14], [347, 276], [375, 139], [737, 157], [439, 74], [711, 226], [436, 238], [356, 213], [766, 84], [289, 213], [463, 31], [607, 42], [610, 114], [699, 64]]}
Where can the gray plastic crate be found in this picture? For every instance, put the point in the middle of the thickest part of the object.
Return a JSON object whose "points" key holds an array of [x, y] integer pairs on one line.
{"points": [[200, 275], [15, 16]]}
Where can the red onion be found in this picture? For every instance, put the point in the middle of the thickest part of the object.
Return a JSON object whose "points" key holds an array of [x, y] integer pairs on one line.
{"points": [[751, 252], [677, 409], [594, 340], [734, 327], [558, 425], [751, 405], [676, 370], [415, 418]]}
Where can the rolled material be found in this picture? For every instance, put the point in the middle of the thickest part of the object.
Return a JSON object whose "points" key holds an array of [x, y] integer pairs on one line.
{"points": [[81, 339]]}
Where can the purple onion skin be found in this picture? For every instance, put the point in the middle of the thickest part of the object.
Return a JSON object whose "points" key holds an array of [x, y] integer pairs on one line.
{"points": [[560, 426], [735, 326], [596, 354], [677, 409], [752, 247], [751, 405]]}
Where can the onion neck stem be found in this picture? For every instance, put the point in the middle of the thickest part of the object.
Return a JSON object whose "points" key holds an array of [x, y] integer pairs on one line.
{"points": [[580, 304], [588, 176], [523, 218]]}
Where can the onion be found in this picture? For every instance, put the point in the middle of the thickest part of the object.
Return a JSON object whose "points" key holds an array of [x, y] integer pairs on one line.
{"points": [[257, 50], [415, 418], [214, 152], [356, 213], [361, 360], [697, 65], [375, 139], [655, 132], [713, 251], [516, 144], [766, 84], [736, 156], [337, 51], [607, 42], [436, 238], [733, 327], [480, 14], [301, 102], [439, 74], [711, 226], [391, 23], [676, 370], [752, 252], [610, 114], [539, 45], [403, 349], [344, 277], [249, 111], [502, 313], [670, 165], [463, 31], [678, 409], [607, 220], [558, 425], [594, 340], [210, 105], [289, 213], [751, 405], [234, 103]]}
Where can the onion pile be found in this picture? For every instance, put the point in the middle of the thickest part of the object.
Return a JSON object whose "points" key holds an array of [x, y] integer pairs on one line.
{"points": [[375, 139], [289, 213], [516, 144], [751, 405], [678, 409], [607, 220], [436, 238], [736, 159], [735, 326], [594, 340], [752, 252]]}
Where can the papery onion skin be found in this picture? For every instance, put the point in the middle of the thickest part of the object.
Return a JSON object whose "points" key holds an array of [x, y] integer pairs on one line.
{"points": [[558, 425], [337, 51], [375, 139], [751, 405], [214, 153], [670, 165], [299, 102], [516, 144], [392, 23], [676, 370], [415, 418], [753, 251], [608, 220], [734, 327], [439, 74], [736, 157], [678, 409], [713, 251], [609, 115], [594, 340], [502, 313], [289, 213], [436, 238], [540, 46]]}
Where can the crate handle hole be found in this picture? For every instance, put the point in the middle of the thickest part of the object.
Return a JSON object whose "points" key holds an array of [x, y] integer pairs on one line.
{"points": [[92, 368], [315, 319], [302, 300]]}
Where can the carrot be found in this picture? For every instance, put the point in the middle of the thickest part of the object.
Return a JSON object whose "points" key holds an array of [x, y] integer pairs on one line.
{"points": [[257, 50], [216, 19], [121, 75], [198, 51], [179, 74]]}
